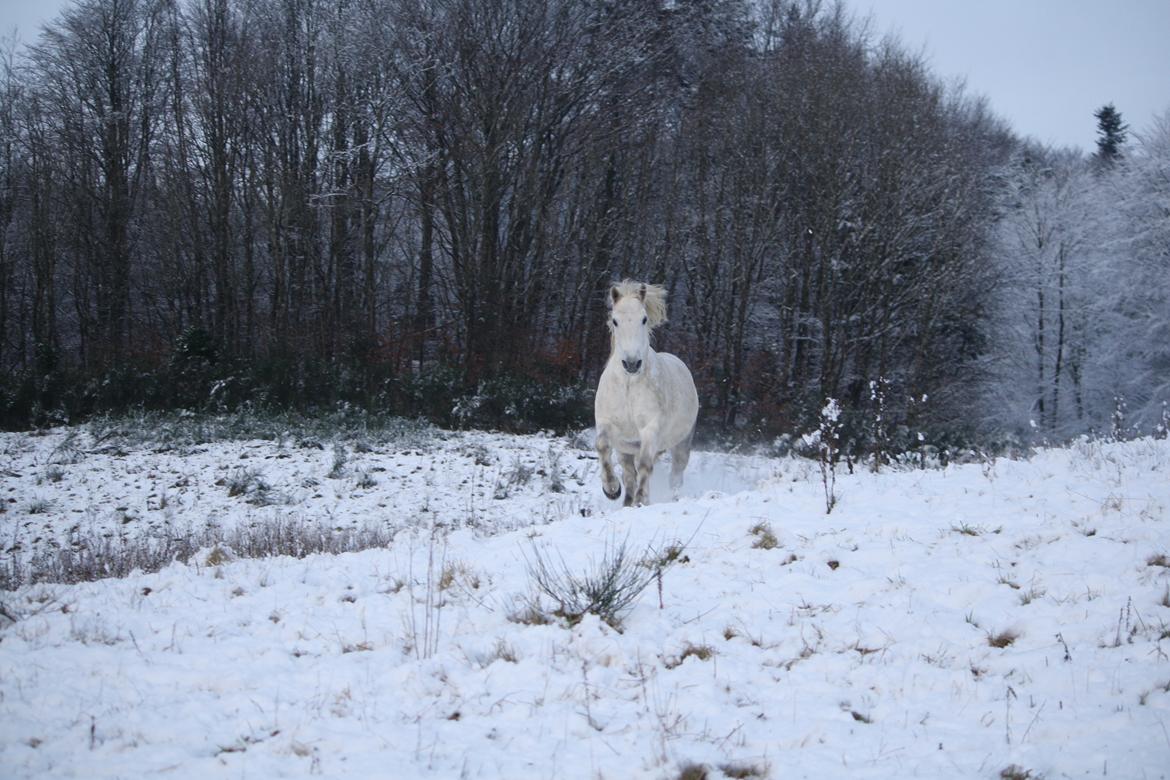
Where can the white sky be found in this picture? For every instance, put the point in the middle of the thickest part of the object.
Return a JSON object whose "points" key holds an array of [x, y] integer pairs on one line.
{"points": [[26, 16], [1045, 65]]}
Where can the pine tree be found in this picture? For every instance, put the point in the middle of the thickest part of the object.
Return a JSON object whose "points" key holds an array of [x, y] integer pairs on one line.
{"points": [[1111, 133]]}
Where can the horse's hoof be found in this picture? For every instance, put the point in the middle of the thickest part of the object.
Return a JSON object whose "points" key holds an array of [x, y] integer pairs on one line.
{"points": [[611, 496], [628, 502]]}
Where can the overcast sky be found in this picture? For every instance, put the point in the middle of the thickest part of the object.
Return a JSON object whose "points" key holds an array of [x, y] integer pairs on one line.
{"points": [[1045, 65]]}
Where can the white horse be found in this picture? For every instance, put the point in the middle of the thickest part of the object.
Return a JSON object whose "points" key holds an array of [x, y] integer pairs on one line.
{"points": [[646, 401]]}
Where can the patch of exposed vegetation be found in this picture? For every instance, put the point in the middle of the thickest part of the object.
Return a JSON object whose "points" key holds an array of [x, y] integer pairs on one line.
{"points": [[765, 537], [1002, 638], [94, 556]]}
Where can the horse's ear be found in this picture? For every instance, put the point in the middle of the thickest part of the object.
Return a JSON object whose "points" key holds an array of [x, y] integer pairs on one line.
{"points": [[615, 294], [642, 293]]}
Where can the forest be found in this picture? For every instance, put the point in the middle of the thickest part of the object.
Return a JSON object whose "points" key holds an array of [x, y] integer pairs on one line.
{"points": [[417, 207]]}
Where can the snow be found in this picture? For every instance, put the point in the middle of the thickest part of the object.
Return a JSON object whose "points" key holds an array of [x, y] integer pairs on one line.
{"points": [[857, 645]]}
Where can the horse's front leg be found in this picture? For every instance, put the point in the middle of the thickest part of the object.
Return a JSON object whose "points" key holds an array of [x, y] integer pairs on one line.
{"points": [[647, 454], [609, 481], [629, 478]]}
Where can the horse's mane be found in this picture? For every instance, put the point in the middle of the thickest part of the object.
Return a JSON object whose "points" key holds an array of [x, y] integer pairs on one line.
{"points": [[653, 298]]}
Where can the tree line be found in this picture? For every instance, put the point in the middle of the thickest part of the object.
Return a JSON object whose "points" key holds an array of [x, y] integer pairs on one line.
{"points": [[1082, 325], [418, 205]]}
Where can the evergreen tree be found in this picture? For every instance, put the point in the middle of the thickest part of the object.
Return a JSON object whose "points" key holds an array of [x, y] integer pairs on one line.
{"points": [[1111, 133]]}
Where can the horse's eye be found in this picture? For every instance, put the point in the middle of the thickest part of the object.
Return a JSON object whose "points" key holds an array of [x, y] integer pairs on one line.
{"points": [[643, 320], [615, 323]]}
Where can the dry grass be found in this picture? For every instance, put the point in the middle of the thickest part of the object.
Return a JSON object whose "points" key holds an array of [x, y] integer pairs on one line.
{"points": [[95, 557], [502, 652], [530, 615], [1003, 579], [967, 530], [765, 537], [702, 652], [1002, 638], [1030, 595], [1162, 687], [743, 770]]}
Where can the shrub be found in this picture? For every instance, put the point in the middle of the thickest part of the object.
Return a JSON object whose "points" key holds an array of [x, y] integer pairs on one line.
{"points": [[608, 590]]}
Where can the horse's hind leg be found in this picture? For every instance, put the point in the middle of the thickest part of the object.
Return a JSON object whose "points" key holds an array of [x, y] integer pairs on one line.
{"points": [[629, 478], [609, 481], [680, 455]]}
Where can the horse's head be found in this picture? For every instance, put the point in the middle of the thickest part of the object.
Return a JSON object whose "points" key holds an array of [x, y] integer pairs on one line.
{"points": [[635, 310]]}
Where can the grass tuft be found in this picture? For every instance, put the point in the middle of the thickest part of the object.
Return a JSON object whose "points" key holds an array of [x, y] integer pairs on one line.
{"points": [[692, 771], [502, 652], [739, 771], [702, 652], [530, 615], [765, 537], [1144, 698], [39, 506], [1030, 595], [1002, 638]]}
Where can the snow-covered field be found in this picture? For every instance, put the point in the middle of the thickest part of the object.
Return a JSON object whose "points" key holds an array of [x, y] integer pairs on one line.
{"points": [[787, 643]]}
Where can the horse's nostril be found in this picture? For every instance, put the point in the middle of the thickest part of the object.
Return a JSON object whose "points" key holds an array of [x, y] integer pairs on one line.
{"points": [[632, 366]]}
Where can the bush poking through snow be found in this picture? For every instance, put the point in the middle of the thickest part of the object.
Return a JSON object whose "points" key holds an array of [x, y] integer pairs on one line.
{"points": [[554, 474], [826, 440], [608, 590], [1014, 772], [340, 458], [879, 425], [39, 507], [250, 484]]}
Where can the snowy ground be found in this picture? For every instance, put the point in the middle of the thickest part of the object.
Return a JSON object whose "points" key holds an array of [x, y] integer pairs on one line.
{"points": [[859, 644]]}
